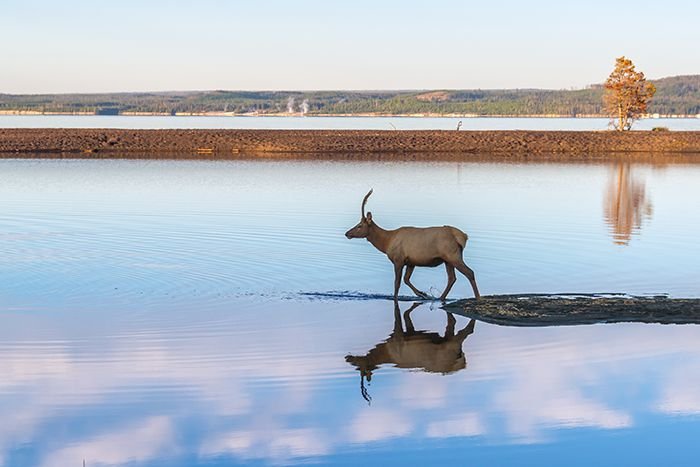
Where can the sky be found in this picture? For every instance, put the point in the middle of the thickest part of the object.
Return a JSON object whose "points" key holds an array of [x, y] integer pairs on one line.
{"points": [[54, 46]]}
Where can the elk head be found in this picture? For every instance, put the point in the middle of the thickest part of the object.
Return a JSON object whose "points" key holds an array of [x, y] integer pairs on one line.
{"points": [[361, 230], [362, 364]]}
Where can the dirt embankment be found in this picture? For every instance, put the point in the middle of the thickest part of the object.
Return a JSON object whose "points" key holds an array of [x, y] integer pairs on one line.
{"points": [[226, 142]]}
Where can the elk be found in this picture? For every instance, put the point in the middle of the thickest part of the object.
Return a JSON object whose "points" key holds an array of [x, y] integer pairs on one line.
{"points": [[411, 349], [417, 246]]}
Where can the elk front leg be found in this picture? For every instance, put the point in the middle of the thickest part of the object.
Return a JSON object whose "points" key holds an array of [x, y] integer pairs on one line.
{"points": [[466, 270], [451, 279], [407, 281], [410, 329], [398, 268], [398, 324]]}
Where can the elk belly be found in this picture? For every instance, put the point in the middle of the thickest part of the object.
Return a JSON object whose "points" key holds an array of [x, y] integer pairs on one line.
{"points": [[425, 262]]}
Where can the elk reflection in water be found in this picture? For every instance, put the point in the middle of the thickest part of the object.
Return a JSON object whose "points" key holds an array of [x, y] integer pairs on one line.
{"points": [[415, 349]]}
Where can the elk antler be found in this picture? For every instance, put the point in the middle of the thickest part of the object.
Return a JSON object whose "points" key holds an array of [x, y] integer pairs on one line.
{"points": [[364, 201]]}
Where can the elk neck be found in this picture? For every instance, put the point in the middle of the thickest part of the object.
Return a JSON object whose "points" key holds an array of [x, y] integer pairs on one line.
{"points": [[379, 237], [377, 356]]}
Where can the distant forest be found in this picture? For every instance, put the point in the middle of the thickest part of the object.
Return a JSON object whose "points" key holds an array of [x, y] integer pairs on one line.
{"points": [[679, 95]]}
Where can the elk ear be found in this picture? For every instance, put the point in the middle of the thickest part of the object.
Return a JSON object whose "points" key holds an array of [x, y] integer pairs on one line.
{"points": [[369, 217]]}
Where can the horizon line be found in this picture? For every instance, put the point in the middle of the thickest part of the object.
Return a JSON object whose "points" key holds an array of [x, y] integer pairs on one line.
{"points": [[588, 86]]}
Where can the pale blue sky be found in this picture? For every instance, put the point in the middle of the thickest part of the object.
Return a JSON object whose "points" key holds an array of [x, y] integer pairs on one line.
{"points": [[90, 46]]}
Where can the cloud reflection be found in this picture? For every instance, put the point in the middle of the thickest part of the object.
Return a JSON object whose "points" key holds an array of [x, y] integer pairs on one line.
{"points": [[137, 443], [681, 395], [182, 386], [278, 445], [381, 424], [466, 425]]}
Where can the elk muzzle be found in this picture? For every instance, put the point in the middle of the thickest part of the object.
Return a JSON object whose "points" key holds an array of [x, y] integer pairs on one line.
{"points": [[356, 232]]}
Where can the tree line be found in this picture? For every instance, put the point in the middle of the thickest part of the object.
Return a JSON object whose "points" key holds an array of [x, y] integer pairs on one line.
{"points": [[676, 95]]}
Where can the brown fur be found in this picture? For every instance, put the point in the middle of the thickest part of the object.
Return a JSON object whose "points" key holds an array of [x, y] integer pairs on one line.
{"points": [[417, 246]]}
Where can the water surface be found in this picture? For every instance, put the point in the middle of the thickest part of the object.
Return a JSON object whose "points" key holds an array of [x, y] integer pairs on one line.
{"points": [[154, 313], [332, 123]]}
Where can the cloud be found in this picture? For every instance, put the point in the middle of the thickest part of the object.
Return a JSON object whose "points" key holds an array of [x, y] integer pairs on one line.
{"points": [[544, 395], [680, 395], [236, 442], [375, 425], [275, 444], [423, 390], [685, 401], [534, 381], [466, 425], [138, 443], [577, 411], [298, 443]]}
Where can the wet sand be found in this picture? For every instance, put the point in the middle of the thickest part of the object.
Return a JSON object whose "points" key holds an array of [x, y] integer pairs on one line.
{"points": [[267, 143], [577, 309]]}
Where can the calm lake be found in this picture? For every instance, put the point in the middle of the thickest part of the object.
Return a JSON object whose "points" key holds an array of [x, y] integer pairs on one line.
{"points": [[332, 123], [172, 313]]}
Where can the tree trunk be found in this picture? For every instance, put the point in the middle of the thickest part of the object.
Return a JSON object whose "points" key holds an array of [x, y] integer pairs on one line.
{"points": [[620, 115]]}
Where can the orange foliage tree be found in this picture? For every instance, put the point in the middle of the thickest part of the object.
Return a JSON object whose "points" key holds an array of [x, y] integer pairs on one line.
{"points": [[627, 94]]}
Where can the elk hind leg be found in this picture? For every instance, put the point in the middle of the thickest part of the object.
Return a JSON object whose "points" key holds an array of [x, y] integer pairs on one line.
{"points": [[469, 274], [450, 328]]}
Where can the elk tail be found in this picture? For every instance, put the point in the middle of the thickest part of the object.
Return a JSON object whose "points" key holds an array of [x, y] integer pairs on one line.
{"points": [[460, 237]]}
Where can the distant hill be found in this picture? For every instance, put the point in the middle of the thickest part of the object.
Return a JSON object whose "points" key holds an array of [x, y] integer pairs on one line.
{"points": [[678, 95]]}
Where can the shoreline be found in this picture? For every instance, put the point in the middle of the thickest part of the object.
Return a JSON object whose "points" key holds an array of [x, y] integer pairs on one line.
{"points": [[226, 143]]}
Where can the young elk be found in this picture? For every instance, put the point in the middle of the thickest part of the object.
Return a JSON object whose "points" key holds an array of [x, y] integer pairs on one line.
{"points": [[417, 246]]}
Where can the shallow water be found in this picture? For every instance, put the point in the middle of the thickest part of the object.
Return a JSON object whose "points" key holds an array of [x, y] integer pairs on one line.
{"points": [[201, 312], [332, 123]]}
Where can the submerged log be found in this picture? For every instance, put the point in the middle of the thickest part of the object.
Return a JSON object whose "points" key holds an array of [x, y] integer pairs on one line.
{"points": [[576, 309]]}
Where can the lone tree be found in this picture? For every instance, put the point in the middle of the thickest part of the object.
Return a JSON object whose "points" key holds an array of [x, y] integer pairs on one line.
{"points": [[627, 94]]}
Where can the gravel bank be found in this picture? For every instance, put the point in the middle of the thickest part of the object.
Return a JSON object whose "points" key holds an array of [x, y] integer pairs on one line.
{"points": [[227, 142]]}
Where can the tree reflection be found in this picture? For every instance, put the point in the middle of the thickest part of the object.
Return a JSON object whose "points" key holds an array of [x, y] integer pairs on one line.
{"points": [[626, 204], [408, 348]]}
